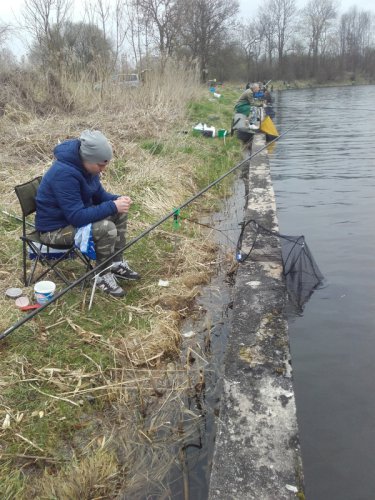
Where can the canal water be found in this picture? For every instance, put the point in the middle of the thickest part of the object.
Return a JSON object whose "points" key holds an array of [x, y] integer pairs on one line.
{"points": [[323, 172]]}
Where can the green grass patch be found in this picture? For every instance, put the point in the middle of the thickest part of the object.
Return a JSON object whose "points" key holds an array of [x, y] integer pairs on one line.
{"points": [[154, 147], [215, 155]]}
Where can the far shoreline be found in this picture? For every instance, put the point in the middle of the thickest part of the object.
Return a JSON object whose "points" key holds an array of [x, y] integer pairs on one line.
{"points": [[309, 84]]}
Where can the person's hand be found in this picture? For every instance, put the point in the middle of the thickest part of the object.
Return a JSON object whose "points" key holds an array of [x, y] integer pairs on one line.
{"points": [[123, 204]]}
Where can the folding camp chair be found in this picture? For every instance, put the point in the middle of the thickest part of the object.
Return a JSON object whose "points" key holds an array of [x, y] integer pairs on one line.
{"points": [[49, 256]]}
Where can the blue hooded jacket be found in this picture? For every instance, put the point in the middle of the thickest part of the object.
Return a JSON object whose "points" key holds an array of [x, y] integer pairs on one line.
{"points": [[68, 194]]}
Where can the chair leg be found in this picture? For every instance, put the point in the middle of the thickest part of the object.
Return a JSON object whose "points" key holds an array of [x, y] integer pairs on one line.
{"points": [[56, 271], [29, 280], [84, 259], [89, 267], [50, 265], [24, 262], [88, 264], [44, 261]]}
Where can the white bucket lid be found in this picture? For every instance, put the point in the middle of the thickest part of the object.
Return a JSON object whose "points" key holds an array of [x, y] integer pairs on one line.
{"points": [[44, 287], [13, 293]]}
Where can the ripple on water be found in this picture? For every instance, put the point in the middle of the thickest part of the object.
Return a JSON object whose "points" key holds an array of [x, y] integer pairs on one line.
{"points": [[324, 178]]}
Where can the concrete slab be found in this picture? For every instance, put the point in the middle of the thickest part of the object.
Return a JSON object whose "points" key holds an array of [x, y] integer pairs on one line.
{"points": [[257, 453]]}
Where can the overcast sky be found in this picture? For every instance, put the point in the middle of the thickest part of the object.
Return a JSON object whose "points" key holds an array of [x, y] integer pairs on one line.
{"points": [[248, 9]]}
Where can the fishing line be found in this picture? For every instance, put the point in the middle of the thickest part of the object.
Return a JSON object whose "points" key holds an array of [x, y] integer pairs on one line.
{"points": [[295, 241], [242, 257], [231, 228], [222, 231], [90, 273]]}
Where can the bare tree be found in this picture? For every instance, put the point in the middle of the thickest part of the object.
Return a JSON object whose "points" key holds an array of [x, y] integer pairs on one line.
{"points": [[276, 21], [284, 13], [4, 32], [266, 28], [103, 10], [250, 40], [355, 34], [110, 18], [161, 19], [135, 30], [98, 13], [120, 28], [44, 20], [317, 17], [202, 22]]}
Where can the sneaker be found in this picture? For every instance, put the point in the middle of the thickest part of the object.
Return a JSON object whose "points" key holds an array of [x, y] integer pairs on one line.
{"points": [[124, 272], [108, 284]]}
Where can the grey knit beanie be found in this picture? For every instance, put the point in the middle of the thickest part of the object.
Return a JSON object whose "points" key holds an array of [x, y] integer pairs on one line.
{"points": [[95, 147]]}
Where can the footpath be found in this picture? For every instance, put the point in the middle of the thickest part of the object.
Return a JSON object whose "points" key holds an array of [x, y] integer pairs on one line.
{"points": [[257, 453]]}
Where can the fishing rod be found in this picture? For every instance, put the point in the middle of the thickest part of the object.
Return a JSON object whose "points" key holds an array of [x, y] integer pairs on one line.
{"points": [[173, 213], [16, 217]]}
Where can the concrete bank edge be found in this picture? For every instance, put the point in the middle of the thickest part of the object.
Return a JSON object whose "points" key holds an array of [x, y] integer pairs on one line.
{"points": [[257, 453]]}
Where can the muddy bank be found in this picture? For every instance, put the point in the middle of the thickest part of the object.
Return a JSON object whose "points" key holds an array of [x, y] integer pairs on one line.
{"points": [[257, 453]]}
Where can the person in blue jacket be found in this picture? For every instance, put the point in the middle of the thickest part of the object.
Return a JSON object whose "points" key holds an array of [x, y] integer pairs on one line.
{"points": [[71, 196]]}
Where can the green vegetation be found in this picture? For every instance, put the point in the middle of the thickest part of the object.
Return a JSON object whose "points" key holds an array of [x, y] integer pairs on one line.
{"points": [[154, 147], [94, 387]]}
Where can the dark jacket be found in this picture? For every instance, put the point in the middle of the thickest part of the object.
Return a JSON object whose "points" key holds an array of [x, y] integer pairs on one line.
{"points": [[68, 194]]}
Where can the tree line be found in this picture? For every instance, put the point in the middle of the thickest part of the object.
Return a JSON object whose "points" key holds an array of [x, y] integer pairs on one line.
{"points": [[279, 41]]}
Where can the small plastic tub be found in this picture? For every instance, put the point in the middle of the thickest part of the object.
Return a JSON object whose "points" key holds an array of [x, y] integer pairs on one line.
{"points": [[44, 291]]}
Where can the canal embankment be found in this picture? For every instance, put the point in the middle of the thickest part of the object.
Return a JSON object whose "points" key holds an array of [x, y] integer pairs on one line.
{"points": [[257, 453]]}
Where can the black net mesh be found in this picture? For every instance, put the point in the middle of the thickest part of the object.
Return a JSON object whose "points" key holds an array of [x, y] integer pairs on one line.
{"points": [[302, 274]]}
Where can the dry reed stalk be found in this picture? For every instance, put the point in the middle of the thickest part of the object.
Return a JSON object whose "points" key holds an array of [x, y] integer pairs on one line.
{"points": [[29, 442], [31, 457]]}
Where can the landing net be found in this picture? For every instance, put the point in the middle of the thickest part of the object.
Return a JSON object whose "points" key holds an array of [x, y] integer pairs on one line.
{"points": [[302, 274]]}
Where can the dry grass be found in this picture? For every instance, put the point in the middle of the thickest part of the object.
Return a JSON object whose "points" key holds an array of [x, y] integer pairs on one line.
{"points": [[95, 476], [97, 403], [131, 445]]}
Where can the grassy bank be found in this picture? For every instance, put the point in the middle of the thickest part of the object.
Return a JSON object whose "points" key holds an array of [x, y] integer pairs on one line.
{"points": [[313, 83], [94, 402]]}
